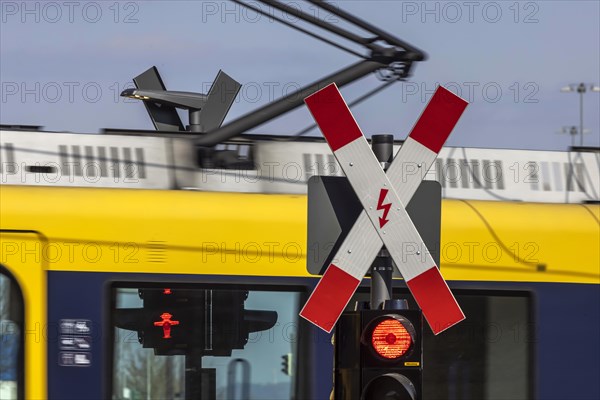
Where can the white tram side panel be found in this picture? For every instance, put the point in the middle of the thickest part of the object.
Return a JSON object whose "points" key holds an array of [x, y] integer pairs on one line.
{"points": [[68, 159], [464, 173], [284, 166]]}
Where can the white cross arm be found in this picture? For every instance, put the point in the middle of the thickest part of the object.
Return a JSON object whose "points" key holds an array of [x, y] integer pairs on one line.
{"points": [[383, 221]]}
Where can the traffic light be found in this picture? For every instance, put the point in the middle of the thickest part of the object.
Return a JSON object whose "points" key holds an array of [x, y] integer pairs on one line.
{"points": [[175, 321], [286, 364], [378, 355], [170, 317]]}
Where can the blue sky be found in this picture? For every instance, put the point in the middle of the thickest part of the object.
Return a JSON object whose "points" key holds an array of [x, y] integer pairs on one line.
{"points": [[62, 64]]}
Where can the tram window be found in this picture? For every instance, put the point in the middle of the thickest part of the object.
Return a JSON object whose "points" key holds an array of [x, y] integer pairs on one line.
{"points": [[487, 356], [11, 339], [206, 329]]}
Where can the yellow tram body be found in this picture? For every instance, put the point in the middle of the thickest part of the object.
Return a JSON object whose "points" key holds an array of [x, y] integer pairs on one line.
{"points": [[190, 232]]}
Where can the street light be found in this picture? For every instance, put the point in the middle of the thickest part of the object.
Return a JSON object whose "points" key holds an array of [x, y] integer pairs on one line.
{"points": [[572, 131], [581, 89]]}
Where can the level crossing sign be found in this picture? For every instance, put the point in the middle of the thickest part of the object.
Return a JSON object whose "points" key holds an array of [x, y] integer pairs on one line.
{"points": [[384, 220], [333, 208]]}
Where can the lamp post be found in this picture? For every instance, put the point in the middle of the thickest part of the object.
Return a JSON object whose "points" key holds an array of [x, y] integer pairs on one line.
{"points": [[581, 89], [571, 131]]}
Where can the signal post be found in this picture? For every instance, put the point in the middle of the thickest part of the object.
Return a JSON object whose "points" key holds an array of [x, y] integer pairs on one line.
{"points": [[378, 347]]}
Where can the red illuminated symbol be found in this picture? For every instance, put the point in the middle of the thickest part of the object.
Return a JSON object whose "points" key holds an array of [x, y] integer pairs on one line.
{"points": [[166, 324], [167, 291], [391, 339], [385, 207]]}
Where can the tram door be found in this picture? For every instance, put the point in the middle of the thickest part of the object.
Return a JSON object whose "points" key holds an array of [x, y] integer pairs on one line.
{"points": [[22, 315]]}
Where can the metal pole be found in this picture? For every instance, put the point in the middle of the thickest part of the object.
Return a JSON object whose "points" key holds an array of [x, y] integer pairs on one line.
{"points": [[286, 103], [193, 374], [419, 55], [382, 268], [244, 392], [581, 91]]}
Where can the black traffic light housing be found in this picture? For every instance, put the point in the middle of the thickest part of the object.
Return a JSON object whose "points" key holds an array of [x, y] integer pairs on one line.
{"points": [[177, 321], [286, 364], [361, 372], [182, 307]]}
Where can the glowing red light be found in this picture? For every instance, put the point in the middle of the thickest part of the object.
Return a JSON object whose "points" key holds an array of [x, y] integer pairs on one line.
{"points": [[166, 324], [391, 339], [167, 291]]}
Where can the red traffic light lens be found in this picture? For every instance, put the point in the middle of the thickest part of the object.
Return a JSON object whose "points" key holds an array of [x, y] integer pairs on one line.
{"points": [[391, 339]]}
